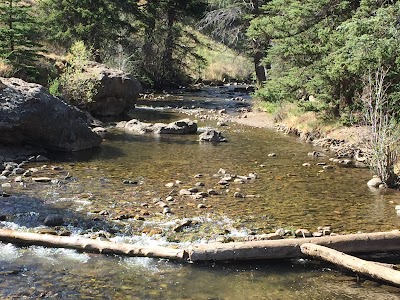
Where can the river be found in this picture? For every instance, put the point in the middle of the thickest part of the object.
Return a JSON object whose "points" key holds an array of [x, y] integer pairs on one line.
{"points": [[90, 190]]}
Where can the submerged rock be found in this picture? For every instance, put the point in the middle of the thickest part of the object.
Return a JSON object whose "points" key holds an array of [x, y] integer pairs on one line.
{"points": [[54, 220], [30, 115], [212, 135]]}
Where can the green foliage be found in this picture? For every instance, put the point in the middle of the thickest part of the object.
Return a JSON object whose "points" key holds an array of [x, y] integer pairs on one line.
{"points": [[17, 38], [164, 56], [323, 48], [78, 86], [55, 87], [96, 23]]}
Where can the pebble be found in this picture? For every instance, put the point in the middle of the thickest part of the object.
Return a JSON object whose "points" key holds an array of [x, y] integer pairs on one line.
{"points": [[239, 180], [6, 185], [253, 175], [169, 198], [41, 179], [223, 182], [303, 233], [306, 164], [271, 154], [193, 190], [170, 184], [238, 195], [126, 181], [167, 210], [202, 194], [201, 205], [328, 168], [18, 179], [321, 164], [212, 192], [199, 184], [18, 171], [162, 204], [198, 176], [178, 182], [184, 192]]}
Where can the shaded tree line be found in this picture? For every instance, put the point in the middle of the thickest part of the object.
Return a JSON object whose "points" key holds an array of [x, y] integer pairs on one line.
{"points": [[141, 37]]}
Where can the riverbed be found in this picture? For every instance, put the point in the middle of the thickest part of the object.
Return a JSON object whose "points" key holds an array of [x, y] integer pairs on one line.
{"points": [[115, 192]]}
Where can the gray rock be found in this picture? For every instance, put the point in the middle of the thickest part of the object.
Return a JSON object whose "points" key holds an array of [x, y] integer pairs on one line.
{"points": [[184, 192], [41, 158], [18, 171], [166, 210], [54, 220], [374, 182], [212, 192], [41, 179], [30, 115], [212, 135], [101, 131], [238, 195], [185, 126], [116, 91]]}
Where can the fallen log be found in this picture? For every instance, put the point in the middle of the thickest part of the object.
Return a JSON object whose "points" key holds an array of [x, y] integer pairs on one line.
{"points": [[89, 245], [357, 265], [290, 248], [270, 249]]}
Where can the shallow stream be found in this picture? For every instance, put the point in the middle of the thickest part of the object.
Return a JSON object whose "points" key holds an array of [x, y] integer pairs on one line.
{"points": [[112, 192]]}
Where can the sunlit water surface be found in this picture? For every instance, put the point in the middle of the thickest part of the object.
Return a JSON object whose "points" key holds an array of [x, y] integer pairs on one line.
{"points": [[285, 194]]}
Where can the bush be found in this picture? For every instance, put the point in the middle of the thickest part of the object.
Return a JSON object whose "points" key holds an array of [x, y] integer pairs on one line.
{"points": [[78, 86]]}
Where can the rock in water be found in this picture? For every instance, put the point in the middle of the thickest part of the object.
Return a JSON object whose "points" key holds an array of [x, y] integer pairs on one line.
{"points": [[30, 115], [375, 182], [212, 135], [54, 220]]}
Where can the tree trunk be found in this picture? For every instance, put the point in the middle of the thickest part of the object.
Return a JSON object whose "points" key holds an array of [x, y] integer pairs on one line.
{"points": [[366, 268], [290, 248], [258, 54], [89, 245]]}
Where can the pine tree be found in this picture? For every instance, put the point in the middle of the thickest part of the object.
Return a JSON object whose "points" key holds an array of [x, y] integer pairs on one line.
{"points": [[18, 37], [95, 22]]}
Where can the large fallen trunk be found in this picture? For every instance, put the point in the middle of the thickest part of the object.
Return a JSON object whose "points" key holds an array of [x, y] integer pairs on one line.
{"points": [[366, 268], [276, 249], [89, 245], [290, 248]]}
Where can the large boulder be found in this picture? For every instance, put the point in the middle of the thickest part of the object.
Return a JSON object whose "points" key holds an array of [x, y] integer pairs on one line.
{"points": [[30, 115], [116, 91], [185, 126]]}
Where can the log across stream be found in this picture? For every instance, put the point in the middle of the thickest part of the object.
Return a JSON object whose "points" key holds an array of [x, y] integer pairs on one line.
{"points": [[254, 250], [330, 248]]}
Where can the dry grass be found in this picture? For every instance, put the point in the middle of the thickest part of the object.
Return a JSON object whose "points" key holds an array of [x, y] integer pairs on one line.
{"points": [[6, 70]]}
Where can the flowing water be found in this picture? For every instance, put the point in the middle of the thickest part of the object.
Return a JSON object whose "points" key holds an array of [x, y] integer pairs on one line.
{"points": [[88, 189]]}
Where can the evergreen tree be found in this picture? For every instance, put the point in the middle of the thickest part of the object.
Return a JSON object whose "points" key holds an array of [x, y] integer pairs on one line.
{"points": [[163, 54], [95, 22], [324, 48], [18, 37]]}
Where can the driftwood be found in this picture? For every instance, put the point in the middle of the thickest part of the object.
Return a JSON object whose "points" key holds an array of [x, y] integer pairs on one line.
{"points": [[271, 249], [89, 245], [357, 265], [290, 248]]}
